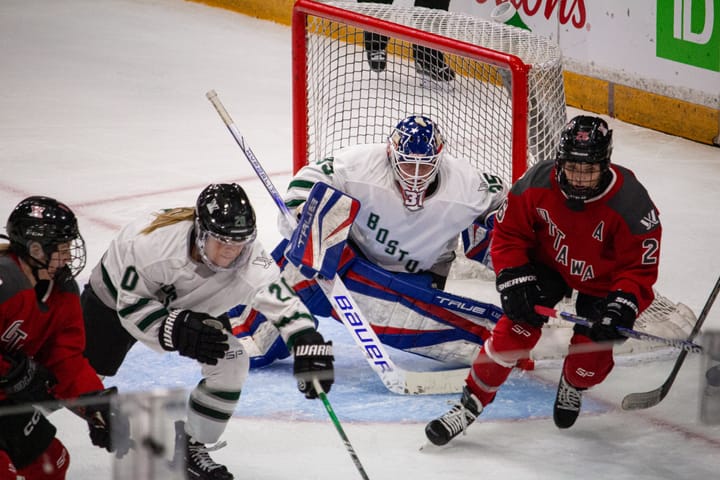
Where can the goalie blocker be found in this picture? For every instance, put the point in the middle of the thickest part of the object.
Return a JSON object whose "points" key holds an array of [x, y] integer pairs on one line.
{"points": [[405, 311]]}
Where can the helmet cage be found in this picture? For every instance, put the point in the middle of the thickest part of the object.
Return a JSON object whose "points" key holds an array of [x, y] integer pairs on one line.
{"points": [[414, 145], [585, 140], [49, 223]]}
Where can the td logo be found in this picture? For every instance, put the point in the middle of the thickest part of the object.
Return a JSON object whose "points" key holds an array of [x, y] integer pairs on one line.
{"points": [[687, 32]]}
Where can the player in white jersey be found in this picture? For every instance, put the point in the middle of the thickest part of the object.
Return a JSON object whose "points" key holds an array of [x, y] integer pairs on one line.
{"points": [[415, 200], [167, 279]]}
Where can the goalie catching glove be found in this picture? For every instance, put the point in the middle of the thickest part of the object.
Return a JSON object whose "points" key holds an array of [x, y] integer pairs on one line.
{"points": [[109, 427], [26, 381], [195, 335], [313, 359]]}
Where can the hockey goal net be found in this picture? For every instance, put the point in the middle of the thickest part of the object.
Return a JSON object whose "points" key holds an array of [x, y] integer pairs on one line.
{"points": [[502, 110]]}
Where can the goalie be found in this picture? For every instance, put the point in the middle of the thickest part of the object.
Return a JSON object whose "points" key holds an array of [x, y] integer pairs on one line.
{"points": [[386, 217]]}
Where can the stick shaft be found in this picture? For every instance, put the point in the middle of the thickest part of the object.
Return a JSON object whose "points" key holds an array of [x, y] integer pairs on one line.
{"points": [[640, 400], [341, 432], [685, 345]]}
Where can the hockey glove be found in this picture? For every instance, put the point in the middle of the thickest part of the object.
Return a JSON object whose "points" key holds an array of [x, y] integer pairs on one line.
{"points": [[476, 240], [620, 310], [519, 293], [26, 381], [313, 359], [109, 427], [195, 335]]}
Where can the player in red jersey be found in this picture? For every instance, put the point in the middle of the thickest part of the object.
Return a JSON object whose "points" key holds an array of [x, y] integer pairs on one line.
{"points": [[576, 223], [42, 338]]}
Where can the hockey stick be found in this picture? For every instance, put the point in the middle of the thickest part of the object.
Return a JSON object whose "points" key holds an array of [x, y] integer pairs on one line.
{"points": [[338, 427], [640, 400], [394, 378], [685, 345]]}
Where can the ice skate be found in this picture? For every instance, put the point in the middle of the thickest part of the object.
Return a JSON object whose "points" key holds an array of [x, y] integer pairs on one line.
{"points": [[194, 458], [567, 404], [443, 429]]}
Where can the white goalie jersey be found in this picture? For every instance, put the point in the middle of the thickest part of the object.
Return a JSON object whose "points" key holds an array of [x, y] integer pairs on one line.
{"points": [[388, 234]]}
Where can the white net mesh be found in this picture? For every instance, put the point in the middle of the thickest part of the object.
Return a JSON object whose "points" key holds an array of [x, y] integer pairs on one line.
{"points": [[663, 318], [348, 103]]}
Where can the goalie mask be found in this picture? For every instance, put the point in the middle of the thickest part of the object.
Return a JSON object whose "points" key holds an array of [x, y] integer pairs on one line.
{"points": [[224, 226], [583, 161], [39, 227], [415, 150]]}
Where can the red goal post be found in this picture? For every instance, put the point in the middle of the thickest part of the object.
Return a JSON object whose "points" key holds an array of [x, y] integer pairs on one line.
{"points": [[503, 111]]}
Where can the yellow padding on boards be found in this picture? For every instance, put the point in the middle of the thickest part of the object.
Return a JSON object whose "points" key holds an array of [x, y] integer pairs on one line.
{"points": [[669, 115], [279, 11], [586, 93]]}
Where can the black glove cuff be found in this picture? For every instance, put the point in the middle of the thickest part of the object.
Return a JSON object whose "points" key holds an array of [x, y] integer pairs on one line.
{"points": [[623, 302], [510, 278], [312, 344], [167, 340], [318, 350], [22, 370]]}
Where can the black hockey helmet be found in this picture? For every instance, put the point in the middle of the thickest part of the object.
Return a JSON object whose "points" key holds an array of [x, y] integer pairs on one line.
{"points": [[45, 221], [224, 211], [584, 139]]}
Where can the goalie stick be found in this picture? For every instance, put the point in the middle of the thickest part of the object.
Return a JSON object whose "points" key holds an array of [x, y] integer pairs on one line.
{"points": [[640, 400], [687, 346], [395, 379]]}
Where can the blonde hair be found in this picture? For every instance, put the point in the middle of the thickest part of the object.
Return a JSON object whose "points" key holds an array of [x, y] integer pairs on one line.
{"points": [[169, 217]]}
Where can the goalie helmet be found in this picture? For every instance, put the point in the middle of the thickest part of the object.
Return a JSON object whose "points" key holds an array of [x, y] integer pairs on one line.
{"points": [[223, 212], [415, 149], [584, 140], [46, 221]]}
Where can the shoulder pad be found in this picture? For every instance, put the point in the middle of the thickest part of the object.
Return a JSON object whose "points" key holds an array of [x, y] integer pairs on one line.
{"points": [[632, 202], [12, 279], [538, 176]]}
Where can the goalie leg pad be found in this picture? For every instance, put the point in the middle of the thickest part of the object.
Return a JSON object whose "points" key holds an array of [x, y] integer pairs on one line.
{"points": [[408, 314], [417, 289], [259, 338], [320, 237], [299, 278]]}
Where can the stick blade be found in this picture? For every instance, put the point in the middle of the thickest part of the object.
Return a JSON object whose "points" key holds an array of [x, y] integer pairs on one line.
{"points": [[642, 400]]}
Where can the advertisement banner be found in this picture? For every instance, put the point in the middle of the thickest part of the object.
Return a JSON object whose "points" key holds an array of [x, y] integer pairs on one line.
{"points": [[688, 32]]}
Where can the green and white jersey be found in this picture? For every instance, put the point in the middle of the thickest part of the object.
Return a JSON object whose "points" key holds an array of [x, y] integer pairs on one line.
{"points": [[387, 233], [143, 276]]}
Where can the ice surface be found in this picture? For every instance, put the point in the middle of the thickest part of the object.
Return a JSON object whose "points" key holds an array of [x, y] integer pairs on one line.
{"points": [[103, 106]]}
